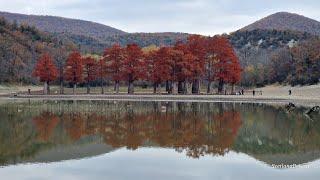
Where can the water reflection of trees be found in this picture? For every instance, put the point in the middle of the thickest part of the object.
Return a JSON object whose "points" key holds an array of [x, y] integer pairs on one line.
{"points": [[196, 133], [45, 124], [193, 128], [272, 130]]}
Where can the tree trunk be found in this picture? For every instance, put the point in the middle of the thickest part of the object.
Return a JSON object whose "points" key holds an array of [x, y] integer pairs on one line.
{"points": [[45, 88], [116, 87], [48, 88], [102, 89], [196, 87], [130, 87], [88, 88], [61, 88], [220, 87], [155, 88], [233, 89], [188, 88], [102, 86], [180, 87], [185, 87], [174, 88], [168, 87], [74, 89], [209, 89], [159, 89]]}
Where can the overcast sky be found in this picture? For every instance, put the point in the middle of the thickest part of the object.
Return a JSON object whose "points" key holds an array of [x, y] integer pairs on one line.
{"points": [[206, 17]]}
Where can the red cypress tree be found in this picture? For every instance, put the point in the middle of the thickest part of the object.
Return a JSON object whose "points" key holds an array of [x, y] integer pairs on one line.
{"points": [[175, 62], [235, 72], [187, 67], [114, 58], [46, 71], [74, 69], [225, 64], [153, 73], [164, 67], [133, 66], [197, 46], [90, 71], [157, 68], [102, 73]]}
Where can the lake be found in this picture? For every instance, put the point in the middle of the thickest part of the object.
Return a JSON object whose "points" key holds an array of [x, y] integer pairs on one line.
{"points": [[156, 140]]}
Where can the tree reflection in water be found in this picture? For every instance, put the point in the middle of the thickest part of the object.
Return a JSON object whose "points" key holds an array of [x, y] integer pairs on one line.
{"points": [[196, 129], [182, 129]]}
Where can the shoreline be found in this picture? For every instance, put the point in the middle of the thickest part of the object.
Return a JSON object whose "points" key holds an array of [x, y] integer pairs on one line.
{"points": [[304, 101]]}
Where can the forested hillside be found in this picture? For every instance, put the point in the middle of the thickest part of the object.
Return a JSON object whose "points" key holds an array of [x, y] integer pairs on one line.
{"points": [[260, 48], [283, 21], [89, 36], [21, 46], [54, 24], [147, 39], [90, 45], [299, 65], [256, 50]]}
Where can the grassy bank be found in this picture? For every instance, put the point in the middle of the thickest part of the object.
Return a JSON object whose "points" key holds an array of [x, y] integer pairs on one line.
{"points": [[306, 95], [14, 88]]}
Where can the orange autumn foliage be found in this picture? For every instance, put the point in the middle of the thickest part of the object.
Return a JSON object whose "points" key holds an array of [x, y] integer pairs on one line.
{"points": [[45, 69]]}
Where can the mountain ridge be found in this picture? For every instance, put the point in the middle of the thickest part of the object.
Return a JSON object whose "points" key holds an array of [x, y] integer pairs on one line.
{"points": [[286, 21], [56, 24]]}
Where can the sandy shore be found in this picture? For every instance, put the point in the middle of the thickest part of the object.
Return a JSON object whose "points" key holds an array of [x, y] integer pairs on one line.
{"points": [[183, 98], [5, 90], [305, 95], [311, 92]]}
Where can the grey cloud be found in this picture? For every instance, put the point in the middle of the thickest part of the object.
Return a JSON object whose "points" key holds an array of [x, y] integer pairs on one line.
{"points": [[193, 16]]}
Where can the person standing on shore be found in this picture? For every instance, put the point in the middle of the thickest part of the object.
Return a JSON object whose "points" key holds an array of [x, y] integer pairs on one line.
{"points": [[253, 92], [290, 92]]}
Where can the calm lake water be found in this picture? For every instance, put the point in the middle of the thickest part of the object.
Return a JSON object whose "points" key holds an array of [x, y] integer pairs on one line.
{"points": [[156, 140]]}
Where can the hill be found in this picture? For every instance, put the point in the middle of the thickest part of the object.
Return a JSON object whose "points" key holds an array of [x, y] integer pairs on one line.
{"points": [[21, 46], [91, 37], [55, 24], [256, 46], [147, 39], [90, 45], [256, 50], [286, 21]]}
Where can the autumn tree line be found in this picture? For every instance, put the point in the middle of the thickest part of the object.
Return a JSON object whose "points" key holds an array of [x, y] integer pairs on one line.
{"points": [[197, 136], [298, 64], [181, 68], [20, 47]]}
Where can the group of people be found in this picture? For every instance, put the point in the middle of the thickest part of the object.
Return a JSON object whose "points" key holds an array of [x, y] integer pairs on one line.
{"points": [[254, 92], [240, 92]]}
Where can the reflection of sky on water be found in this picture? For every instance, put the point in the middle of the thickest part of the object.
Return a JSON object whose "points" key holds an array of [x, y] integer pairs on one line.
{"points": [[153, 163]]}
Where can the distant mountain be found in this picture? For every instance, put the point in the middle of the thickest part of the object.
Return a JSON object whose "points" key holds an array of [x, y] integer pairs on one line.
{"points": [[54, 24], [89, 36], [20, 46], [257, 48], [147, 39], [284, 21]]}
